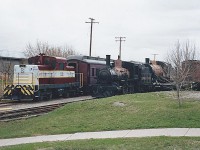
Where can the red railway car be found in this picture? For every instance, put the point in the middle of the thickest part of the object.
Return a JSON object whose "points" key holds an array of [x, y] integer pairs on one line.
{"points": [[89, 67]]}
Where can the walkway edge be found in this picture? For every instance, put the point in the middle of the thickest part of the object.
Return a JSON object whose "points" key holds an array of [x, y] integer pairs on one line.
{"points": [[174, 132]]}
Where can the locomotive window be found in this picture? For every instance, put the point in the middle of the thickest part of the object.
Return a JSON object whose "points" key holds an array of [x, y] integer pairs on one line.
{"points": [[72, 64], [93, 71], [61, 66], [30, 61], [46, 62]]}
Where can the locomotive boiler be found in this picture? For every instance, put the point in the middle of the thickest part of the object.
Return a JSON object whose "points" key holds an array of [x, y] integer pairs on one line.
{"points": [[115, 74], [161, 70], [112, 79]]}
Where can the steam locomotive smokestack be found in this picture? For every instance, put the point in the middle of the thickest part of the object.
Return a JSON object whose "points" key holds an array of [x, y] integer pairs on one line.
{"points": [[108, 60], [147, 60], [118, 57]]}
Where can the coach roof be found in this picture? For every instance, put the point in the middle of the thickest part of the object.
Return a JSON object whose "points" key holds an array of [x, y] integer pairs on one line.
{"points": [[87, 59]]}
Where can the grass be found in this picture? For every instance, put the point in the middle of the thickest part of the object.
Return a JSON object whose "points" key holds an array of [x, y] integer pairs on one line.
{"points": [[146, 110], [159, 143]]}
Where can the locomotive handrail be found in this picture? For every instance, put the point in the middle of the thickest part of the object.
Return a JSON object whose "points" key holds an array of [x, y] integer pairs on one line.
{"points": [[80, 79], [18, 78], [32, 78], [35, 88]]}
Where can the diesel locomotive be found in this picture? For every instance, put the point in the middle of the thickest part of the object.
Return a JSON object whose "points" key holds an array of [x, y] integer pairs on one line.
{"points": [[43, 78]]}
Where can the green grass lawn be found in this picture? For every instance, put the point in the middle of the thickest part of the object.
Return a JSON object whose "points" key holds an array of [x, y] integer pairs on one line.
{"points": [[159, 143], [144, 110]]}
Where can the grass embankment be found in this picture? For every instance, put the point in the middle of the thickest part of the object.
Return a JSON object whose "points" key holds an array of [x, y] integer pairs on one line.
{"points": [[147, 110], [159, 143]]}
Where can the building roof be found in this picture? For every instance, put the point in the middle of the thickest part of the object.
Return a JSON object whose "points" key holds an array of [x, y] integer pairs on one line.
{"points": [[12, 54]]}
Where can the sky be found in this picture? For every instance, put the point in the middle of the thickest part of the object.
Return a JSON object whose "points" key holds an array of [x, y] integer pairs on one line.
{"points": [[150, 26]]}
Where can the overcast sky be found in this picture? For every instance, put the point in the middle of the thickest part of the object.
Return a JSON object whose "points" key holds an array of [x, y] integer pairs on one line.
{"points": [[150, 26]]}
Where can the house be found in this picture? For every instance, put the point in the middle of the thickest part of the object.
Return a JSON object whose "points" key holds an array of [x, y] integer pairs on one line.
{"points": [[7, 61]]}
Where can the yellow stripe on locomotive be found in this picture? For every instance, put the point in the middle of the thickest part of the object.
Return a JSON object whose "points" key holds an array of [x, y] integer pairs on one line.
{"points": [[8, 90], [17, 91]]}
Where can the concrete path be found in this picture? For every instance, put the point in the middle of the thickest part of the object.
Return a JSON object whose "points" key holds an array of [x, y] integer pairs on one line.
{"points": [[189, 132]]}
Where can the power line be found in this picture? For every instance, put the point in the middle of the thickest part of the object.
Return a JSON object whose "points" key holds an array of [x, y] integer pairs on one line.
{"points": [[120, 39], [91, 22]]}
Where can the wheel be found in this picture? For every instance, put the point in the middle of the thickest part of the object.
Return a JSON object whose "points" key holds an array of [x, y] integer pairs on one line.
{"points": [[105, 94], [131, 90], [66, 94], [36, 99], [95, 91], [125, 90], [50, 96]]}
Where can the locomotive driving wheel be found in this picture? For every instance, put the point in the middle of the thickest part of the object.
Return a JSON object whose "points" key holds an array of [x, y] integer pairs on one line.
{"points": [[108, 93], [131, 89], [125, 90]]}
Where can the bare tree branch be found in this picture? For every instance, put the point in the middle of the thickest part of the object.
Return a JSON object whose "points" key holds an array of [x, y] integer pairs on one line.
{"points": [[44, 47], [180, 58]]}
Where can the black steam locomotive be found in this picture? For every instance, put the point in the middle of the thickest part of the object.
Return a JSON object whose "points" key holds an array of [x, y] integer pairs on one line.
{"points": [[123, 77]]}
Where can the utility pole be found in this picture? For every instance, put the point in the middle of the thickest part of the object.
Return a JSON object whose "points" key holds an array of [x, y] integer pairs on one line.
{"points": [[91, 22], [120, 39], [154, 56]]}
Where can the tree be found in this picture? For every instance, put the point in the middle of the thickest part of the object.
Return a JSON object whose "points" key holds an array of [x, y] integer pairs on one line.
{"points": [[45, 48], [6, 69], [180, 58]]}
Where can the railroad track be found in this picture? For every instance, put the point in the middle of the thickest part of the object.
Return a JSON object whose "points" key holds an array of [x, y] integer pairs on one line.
{"points": [[4, 104], [22, 113], [28, 112]]}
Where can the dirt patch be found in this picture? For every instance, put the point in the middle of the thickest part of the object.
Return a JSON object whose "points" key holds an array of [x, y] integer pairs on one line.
{"points": [[190, 95], [184, 94], [120, 104]]}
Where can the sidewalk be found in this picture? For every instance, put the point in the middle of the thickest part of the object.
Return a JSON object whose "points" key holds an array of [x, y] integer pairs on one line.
{"points": [[189, 132]]}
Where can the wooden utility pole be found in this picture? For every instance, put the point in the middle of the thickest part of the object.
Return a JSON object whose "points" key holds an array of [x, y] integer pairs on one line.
{"points": [[91, 22], [120, 39], [154, 56]]}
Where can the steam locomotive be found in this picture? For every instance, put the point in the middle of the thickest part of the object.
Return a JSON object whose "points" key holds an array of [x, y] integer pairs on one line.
{"points": [[124, 77]]}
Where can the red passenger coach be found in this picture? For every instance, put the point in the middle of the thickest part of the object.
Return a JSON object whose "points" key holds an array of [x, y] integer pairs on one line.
{"points": [[89, 67]]}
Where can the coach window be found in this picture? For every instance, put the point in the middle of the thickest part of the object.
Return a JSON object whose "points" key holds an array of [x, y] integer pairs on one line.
{"points": [[93, 72], [61, 66]]}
